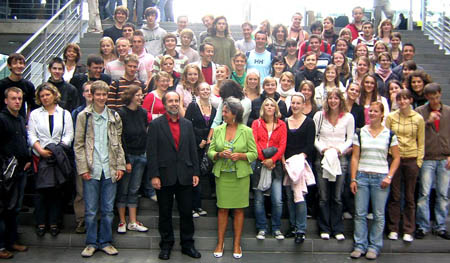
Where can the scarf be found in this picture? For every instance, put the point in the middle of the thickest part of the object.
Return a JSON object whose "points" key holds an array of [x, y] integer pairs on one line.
{"points": [[287, 93], [384, 73], [328, 34]]}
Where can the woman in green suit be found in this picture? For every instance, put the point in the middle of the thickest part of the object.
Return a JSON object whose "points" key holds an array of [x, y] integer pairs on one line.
{"points": [[232, 150]]}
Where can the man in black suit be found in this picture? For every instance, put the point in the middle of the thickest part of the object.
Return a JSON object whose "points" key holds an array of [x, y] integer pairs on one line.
{"points": [[173, 166]]}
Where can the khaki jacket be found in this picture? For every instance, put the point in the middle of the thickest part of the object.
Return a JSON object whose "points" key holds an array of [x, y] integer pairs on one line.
{"points": [[84, 142]]}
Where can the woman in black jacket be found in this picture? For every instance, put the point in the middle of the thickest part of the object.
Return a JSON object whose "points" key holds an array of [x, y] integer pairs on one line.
{"points": [[201, 113], [309, 71]]}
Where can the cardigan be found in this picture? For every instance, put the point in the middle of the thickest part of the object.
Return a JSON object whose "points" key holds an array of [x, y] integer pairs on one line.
{"points": [[243, 143]]}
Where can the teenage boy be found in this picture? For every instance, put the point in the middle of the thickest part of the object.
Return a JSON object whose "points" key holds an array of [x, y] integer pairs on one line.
{"points": [[316, 29], [153, 34], [207, 21], [13, 139], [186, 36], [69, 95], [120, 17], [146, 59], [206, 64], [116, 68], [323, 59], [100, 161], [367, 37], [408, 53], [16, 66], [128, 30], [260, 58], [95, 66], [356, 26], [247, 43], [224, 48], [182, 22], [117, 87], [78, 202], [436, 164]]}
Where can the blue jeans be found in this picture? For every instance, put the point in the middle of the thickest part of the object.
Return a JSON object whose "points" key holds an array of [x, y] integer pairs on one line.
{"points": [[277, 206], [128, 186], [139, 10], [161, 7], [97, 192], [297, 212], [369, 190], [433, 170]]}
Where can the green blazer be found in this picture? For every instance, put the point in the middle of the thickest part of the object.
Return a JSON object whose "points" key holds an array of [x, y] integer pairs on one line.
{"points": [[244, 143]]}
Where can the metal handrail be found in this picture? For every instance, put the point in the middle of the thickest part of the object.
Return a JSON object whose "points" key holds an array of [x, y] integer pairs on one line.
{"points": [[436, 23], [50, 39]]}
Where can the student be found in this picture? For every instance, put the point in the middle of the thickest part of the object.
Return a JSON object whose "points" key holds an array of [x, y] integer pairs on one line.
{"points": [[206, 64], [367, 37], [279, 37], [186, 37], [16, 65], [207, 21], [153, 34], [182, 22], [128, 30], [260, 58], [120, 18], [170, 43], [356, 26], [145, 59], [224, 48], [99, 174], [296, 31], [247, 43], [323, 59], [328, 34], [436, 163]]}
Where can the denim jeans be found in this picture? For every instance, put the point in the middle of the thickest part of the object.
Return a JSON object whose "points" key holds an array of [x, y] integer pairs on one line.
{"points": [[369, 190], [297, 212], [330, 203], [128, 186], [139, 10], [161, 7], [97, 192], [433, 170], [277, 206]]}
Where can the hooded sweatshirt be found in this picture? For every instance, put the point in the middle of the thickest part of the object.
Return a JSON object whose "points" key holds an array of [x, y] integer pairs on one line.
{"points": [[153, 39]]}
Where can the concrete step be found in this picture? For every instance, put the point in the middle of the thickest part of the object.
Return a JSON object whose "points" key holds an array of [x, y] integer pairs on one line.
{"points": [[206, 240]]}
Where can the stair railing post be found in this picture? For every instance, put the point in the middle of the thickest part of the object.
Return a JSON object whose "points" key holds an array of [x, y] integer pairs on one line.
{"points": [[424, 14], [80, 19], [66, 15], [44, 57], [443, 28]]}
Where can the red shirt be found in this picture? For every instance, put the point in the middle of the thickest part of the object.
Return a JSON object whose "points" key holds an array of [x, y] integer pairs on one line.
{"points": [[208, 74], [175, 129], [355, 31]]}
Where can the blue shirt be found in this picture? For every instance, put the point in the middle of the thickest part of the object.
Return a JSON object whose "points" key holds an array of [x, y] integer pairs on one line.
{"points": [[101, 153], [261, 62]]}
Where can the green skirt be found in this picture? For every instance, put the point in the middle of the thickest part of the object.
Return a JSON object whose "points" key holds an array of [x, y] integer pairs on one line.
{"points": [[232, 192]]}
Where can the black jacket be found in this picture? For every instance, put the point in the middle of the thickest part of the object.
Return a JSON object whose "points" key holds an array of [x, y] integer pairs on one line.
{"points": [[57, 169], [315, 76], [13, 137], [256, 107], [164, 160], [201, 128], [69, 95], [79, 79]]}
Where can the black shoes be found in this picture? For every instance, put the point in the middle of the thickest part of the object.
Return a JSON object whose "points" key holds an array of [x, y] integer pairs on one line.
{"points": [[290, 233], [164, 254], [420, 234], [192, 252], [444, 234], [299, 238], [54, 231], [40, 231]]}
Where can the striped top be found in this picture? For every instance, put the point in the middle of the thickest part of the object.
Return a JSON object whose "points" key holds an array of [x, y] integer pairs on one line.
{"points": [[374, 150], [117, 88]]}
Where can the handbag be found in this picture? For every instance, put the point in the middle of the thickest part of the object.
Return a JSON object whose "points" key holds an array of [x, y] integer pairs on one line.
{"points": [[9, 172], [269, 152], [206, 164]]}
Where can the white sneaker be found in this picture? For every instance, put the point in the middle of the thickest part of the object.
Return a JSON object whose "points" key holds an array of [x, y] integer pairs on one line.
{"points": [[278, 235], [369, 216], [201, 212], [347, 215], [261, 235], [393, 236], [195, 214], [138, 226], [340, 237], [325, 236], [122, 228], [408, 238]]}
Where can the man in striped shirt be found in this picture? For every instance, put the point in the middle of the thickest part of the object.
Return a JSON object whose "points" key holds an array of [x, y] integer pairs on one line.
{"points": [[131, 62]]}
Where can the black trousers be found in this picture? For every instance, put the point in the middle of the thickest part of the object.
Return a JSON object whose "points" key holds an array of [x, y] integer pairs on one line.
{"points": [[183, 195], [48, 206]]}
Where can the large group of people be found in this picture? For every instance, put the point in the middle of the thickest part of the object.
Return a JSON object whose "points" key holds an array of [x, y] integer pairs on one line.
{"points": [[327, 124]]}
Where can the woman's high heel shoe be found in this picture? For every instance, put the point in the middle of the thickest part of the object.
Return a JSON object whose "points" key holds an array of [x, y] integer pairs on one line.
{"points": [[238, 255], [219, 254]]}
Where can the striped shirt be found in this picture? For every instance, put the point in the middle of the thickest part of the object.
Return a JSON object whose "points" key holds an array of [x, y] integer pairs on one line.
{"points": [[116, 69], [117, 88], [374, 150]]}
